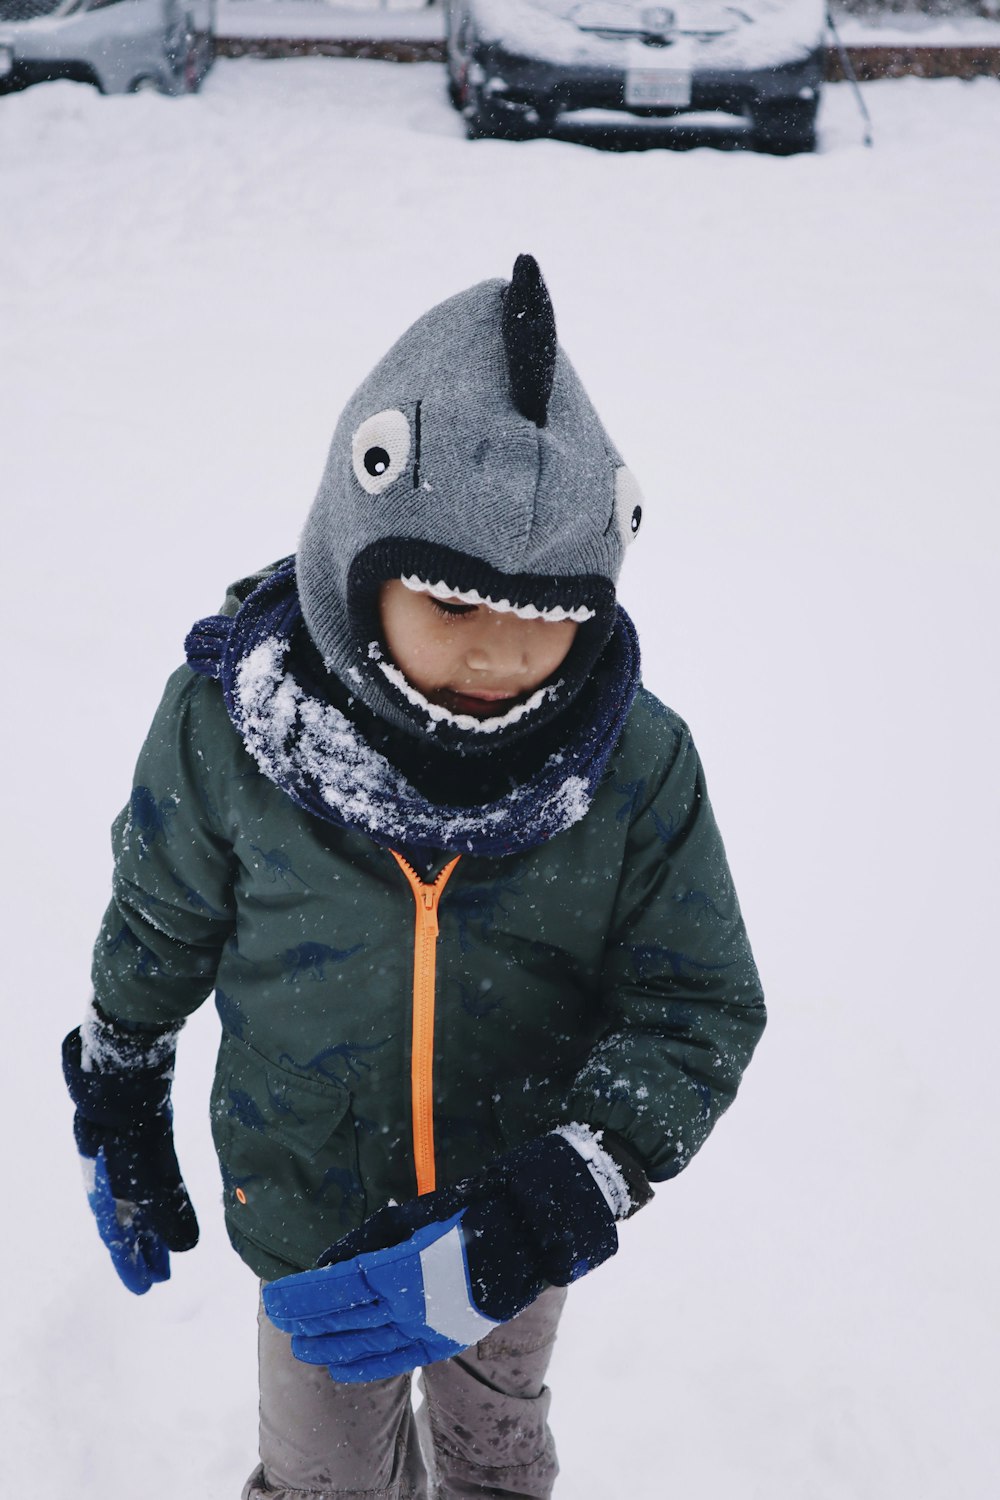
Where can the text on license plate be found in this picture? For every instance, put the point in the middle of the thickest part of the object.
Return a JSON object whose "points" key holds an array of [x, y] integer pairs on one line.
{"points": [[657, 86]]}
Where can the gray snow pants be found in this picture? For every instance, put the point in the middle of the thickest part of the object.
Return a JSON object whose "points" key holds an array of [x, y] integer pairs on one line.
{"points": [[482, 1430]]}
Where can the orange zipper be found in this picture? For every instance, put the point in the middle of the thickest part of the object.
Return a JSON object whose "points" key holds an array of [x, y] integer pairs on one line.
{"points": [[426, 898]]}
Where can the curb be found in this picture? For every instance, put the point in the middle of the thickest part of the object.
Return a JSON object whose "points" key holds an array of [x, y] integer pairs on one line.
{"points": [[871, 62], [386, 49]]}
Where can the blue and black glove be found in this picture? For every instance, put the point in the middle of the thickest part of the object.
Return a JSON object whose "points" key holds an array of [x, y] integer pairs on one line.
{"points": [[119, 1081], [423, 1280]]}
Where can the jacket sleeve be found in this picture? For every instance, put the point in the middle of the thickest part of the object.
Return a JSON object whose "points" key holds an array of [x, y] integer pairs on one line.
{"points": [[680, 989], [172, 906]]}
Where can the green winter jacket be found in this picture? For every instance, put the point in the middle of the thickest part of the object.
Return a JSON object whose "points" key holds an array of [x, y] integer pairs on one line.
{"points": [[381, 1034]]}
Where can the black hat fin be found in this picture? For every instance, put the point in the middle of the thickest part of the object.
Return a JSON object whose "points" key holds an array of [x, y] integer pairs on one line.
{"points": [[529, 337]]}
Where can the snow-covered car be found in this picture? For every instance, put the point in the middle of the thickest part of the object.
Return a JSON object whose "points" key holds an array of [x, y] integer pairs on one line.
{"points": [[119, 45], [515, 65]]}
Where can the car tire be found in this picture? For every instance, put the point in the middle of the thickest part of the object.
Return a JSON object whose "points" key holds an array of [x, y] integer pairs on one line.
{"points": [[147, 83], [198, 61], [786, 127], [487, 120], [456, 90]]}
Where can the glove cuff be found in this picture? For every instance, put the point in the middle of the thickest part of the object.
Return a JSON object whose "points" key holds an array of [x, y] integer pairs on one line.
{"points": [[603, 1168], [110, 1046], [612, 1165], [117, 1079], [562, 1208]]}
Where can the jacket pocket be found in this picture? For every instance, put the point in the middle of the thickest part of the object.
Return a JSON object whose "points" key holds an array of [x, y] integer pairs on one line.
{"points": [[288, 1154]]}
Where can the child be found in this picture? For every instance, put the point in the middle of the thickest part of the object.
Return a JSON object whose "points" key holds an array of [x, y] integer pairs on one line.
{"points": [[455, 881]]}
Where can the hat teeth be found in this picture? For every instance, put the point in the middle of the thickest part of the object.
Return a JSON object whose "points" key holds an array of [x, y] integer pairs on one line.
{"points": [[442, 590], [466, 596]]}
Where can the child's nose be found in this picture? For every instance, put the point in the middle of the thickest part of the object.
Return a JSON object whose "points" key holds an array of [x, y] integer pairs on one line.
{"points": [[501, 651], [497, 659]]}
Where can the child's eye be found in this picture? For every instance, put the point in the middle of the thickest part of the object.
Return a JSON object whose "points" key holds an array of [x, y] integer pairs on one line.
{"points": [[445, 607]]}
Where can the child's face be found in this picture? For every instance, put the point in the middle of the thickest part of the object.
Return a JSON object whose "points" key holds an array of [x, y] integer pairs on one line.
{"points": [[466, 657]]}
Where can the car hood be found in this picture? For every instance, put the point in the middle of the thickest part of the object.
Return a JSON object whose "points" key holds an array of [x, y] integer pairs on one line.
{"points": [[613, 33]]}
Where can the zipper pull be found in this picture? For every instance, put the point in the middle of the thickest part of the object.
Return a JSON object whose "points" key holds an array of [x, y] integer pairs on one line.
{"points": [[428, 900]]}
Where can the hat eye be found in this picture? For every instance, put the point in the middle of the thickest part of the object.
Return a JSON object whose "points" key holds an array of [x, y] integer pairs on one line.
{"points": [[628, 504], [379, 450]]}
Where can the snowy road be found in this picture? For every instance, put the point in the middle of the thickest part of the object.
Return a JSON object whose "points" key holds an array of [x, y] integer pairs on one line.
{"points": [[798, 359]]}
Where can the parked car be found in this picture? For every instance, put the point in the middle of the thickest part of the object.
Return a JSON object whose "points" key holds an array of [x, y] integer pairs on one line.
{"points": [[515, 65], [119, 45]]}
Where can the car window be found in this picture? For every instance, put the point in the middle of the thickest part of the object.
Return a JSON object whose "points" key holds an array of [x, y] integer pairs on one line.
{"points": [[31, 10]]}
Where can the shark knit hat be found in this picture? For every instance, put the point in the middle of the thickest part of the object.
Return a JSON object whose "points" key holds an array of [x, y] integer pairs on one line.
{"points": [[469, 464]]}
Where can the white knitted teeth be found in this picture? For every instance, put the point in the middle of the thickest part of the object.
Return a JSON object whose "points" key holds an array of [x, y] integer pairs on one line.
{"points": [[442, 590]]}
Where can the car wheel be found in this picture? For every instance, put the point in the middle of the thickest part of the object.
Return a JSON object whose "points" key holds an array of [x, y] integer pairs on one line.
{"points": [[786, 127], [487, 119], [147, 83], [456, 89], [198, 61]]}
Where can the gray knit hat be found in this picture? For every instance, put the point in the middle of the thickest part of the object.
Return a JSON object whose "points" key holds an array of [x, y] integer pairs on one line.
{"points": [[470, 462]]}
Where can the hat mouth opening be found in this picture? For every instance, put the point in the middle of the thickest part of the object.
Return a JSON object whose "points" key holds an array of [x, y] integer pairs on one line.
{"points": [[445, 573]]}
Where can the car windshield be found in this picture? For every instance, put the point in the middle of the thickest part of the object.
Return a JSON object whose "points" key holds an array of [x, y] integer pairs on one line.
{"points": [[31, 10]]}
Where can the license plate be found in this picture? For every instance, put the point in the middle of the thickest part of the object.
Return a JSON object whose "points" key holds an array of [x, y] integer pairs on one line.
{"points": [[657, 87], [6, 61]]}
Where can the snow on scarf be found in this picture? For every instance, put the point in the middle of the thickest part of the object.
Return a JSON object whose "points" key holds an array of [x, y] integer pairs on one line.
{"points": [[313, 752]]}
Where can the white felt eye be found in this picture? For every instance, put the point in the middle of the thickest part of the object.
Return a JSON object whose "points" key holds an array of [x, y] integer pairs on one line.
{"points": [[628, 504], [379, 450]]}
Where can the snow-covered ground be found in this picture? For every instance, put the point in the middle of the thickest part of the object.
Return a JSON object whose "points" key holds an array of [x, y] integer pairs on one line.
{"points": [[799, 359]]}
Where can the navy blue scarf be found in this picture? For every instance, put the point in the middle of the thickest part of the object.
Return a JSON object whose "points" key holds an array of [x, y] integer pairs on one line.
{"points": [[315, 753]]}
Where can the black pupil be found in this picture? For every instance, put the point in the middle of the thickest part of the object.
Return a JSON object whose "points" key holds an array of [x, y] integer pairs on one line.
{"points": [[376, 461], [636, 519]]}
